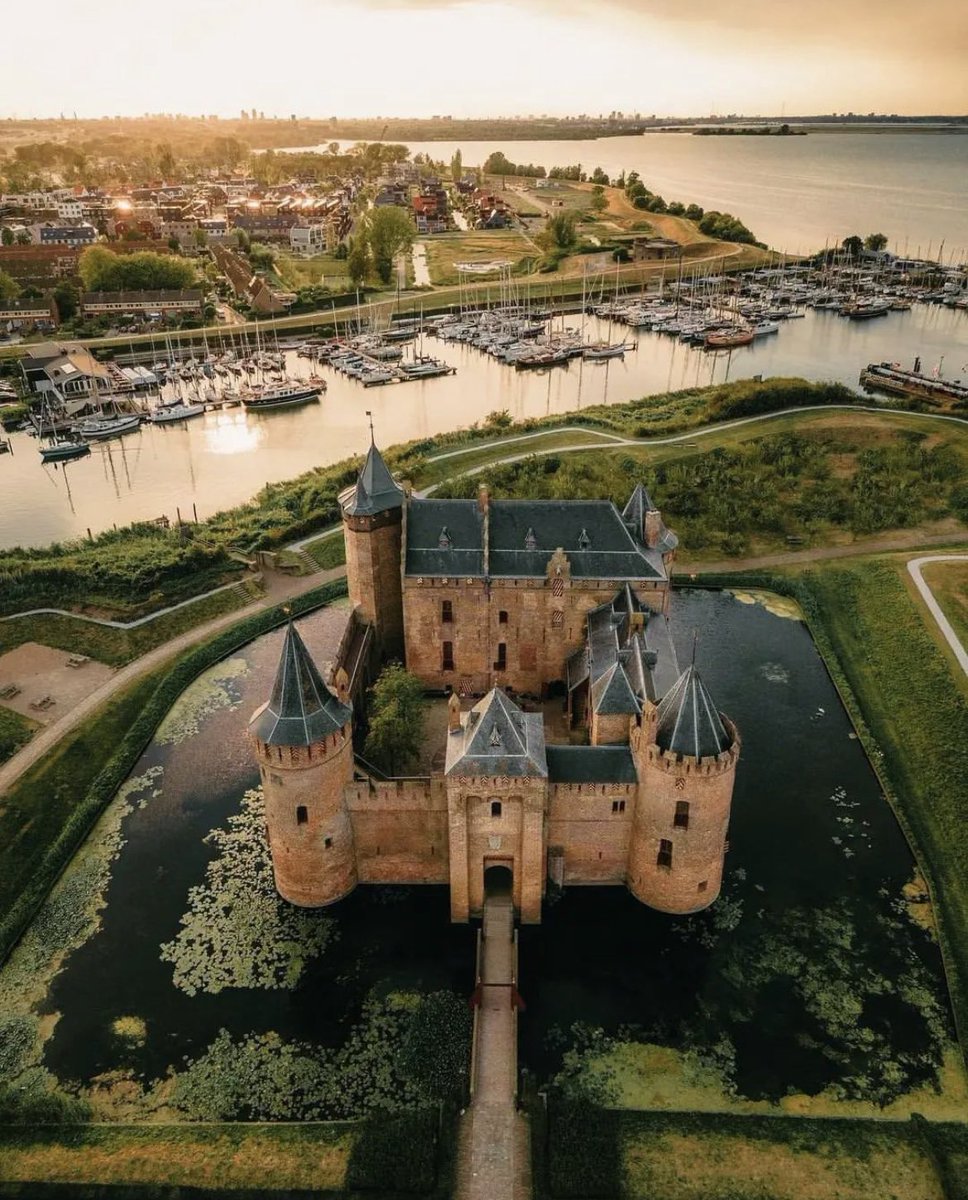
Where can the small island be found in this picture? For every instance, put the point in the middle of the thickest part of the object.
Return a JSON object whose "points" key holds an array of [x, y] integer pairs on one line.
{"points": [[783, 130]]}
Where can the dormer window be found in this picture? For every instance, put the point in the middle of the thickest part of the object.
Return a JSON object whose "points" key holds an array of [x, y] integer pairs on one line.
{"points": [[584, 541], [530, 541], [443, 539], [495, 739]]}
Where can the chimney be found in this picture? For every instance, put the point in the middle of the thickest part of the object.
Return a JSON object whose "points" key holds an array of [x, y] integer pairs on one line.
{"points": [[343, 686], [653, 527], [483, 498], [453, 713]]}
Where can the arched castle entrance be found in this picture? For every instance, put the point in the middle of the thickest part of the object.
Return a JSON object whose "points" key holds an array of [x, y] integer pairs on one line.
{"points": [[498, 879]]}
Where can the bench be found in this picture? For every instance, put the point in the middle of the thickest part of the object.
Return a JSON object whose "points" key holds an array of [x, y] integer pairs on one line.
{"points": [[8, 692], [78, 660], [43, 704]]}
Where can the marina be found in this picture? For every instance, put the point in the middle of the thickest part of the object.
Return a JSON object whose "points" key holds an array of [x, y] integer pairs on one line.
{"points": [[169, 455]]}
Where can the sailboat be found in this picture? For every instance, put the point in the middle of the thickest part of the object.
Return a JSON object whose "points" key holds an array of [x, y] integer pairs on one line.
{"points": [[59, 449]]}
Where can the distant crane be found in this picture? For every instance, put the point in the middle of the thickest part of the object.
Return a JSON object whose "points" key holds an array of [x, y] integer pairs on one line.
{"points": [[383, 132]]}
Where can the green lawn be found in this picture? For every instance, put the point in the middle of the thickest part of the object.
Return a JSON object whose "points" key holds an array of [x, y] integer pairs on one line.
{"points": [[949, 583], [328, 552], [119, 646], [15, 731], [295, 272], [445, 250], [699, 1156]]}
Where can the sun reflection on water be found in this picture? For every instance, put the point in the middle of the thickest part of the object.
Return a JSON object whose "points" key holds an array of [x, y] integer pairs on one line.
{"points": [[231, 433]]}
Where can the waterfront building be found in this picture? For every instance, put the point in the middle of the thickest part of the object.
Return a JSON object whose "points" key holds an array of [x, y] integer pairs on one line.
{"points": [[577, 749], [100, 304]]}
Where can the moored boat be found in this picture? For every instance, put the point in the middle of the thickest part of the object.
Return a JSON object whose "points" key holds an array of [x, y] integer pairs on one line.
{"points": [[100, 429], [286, 396], [728, 339]]}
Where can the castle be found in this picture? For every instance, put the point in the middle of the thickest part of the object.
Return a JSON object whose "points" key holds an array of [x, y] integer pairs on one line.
{"points": [[564, 602]]}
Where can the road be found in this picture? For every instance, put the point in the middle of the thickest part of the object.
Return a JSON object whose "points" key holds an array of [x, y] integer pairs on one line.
{"points": [[915, 571]]}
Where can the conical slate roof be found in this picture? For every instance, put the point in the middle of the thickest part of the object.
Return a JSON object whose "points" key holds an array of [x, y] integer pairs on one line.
{"points": [[688, 722], [375, 490], [302, 709], [612, 693]]}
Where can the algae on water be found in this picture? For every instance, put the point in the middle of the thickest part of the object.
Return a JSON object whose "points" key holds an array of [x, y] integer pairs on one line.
{"points": [[237, 931], [209, 693]]}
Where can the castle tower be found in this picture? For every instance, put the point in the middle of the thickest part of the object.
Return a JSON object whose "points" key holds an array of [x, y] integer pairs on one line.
{"points": [[686, 754], [303, 741], [372, 526]]}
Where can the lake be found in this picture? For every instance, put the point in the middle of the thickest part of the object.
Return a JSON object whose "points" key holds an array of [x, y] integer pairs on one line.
{"points": [[225, 457]]}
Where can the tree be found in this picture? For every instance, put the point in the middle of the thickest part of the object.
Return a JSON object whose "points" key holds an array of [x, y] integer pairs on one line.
{"points": [[599, 176], [262, 257], [9, 288], [6, 236], [358, 259], [174, 244], [559, 233], [599, 200], [457, 166], [390, 232], [396, 720], [852, 245], [66, 298], [875, 241], [22, 238], [201, 238], [104, 271]]}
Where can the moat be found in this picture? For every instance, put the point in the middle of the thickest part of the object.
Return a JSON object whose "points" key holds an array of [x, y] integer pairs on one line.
{"points": [[816, 867]]}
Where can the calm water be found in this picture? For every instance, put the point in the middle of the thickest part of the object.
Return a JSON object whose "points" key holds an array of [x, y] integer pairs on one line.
{"points": [[599, 957], [223, 458], [797, 193]]}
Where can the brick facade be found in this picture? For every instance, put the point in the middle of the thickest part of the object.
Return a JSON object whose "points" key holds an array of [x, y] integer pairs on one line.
{"points": [[632, 807]]}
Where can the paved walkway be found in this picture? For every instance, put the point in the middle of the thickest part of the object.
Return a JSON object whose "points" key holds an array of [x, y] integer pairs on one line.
{"points": [[493, 1160], [279, 589], [914, 570]]}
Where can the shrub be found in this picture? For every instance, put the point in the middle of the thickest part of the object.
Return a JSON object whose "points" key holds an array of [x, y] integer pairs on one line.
{"points": [[395, 1152]]}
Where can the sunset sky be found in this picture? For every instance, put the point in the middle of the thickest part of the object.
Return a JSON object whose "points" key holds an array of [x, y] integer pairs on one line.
{"points": [[485, 57]]}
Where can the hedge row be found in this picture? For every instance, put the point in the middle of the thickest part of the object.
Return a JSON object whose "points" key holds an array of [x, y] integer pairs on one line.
{"points": [[121, 762]]}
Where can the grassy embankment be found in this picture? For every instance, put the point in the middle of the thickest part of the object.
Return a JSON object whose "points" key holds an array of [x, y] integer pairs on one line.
{"points": [[949, 583], [295, 272], [445, 250], [46, 815], [689, 1156], [15, 731]]}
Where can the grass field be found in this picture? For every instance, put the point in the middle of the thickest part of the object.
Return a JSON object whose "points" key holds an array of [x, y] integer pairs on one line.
{"points": [[479, 246], [295, 272], [119, 646], [312, 1157], [949, 583], [15, 731], [327, 552]]}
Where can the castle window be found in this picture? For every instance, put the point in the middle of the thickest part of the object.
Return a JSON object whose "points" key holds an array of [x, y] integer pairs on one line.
{"points": [[302, 815], [328, 843], [447, 657], [681, 820], [702, 887], [618, 806], [557, 618], [447, 611], [495, 808], [584, 541], [557, 586], [502, 617], [664, 858], [443, 541], [502, 657], [530, 541]]}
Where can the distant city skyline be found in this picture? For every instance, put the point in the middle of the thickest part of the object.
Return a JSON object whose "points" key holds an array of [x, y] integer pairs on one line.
{"points": [[476, 58]]}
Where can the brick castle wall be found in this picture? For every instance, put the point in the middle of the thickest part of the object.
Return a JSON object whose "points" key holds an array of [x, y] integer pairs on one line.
{"points": [[590, 824], [307, 821], [400, 830], [693, 879], [373, 548]]}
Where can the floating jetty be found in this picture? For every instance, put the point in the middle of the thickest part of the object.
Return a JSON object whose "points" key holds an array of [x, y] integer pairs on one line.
{"points": [[890, 377]]}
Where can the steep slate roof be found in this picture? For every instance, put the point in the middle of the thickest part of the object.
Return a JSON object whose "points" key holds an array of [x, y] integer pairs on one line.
{"points": [[426, 520], [591, 764], [688, 722], [497, 738], [375, 490], [301, 709], [633, 514], [591, 533]]}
